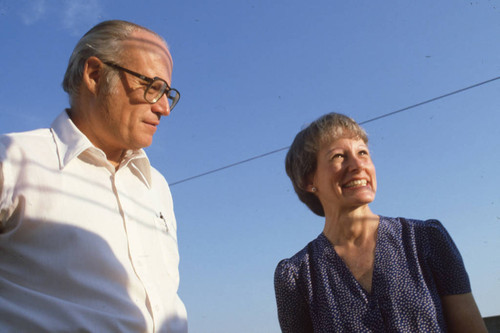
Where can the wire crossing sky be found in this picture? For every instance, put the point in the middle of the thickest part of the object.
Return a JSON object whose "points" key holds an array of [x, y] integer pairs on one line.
{"points": [[361, 123]]}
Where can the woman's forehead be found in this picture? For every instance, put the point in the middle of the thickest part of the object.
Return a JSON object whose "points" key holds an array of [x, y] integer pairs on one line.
{"points": [[338, 133]]}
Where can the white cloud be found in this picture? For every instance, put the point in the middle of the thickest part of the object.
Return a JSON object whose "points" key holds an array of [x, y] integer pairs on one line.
{"points": [[33, 11], [78, 15], [75, 15], [3, 8]]}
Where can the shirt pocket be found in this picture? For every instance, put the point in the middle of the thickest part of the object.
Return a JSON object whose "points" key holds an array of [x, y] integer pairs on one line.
{"points": [[164, 225]]}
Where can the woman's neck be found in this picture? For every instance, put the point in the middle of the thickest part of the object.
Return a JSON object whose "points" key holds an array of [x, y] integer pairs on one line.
{"points": [[355, 226]]}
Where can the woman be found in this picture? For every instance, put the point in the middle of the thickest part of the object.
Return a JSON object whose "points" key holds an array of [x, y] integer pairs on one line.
{"points": [[365, 272]]}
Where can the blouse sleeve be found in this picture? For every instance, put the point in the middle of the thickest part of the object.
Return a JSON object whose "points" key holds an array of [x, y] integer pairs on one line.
{"points": [[446, 262], [293, 311]]}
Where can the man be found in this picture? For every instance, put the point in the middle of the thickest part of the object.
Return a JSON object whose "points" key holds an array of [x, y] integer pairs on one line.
{"points": [[87, 229]]}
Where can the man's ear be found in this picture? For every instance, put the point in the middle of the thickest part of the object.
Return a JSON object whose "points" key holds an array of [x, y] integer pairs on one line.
{"points": [[92, 73]]}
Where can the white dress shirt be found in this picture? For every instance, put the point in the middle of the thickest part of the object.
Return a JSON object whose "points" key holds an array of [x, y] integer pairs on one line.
{"points": [[84, 247]]}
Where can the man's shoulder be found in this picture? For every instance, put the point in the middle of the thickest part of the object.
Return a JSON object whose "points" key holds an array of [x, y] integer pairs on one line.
{"points": [[25, 141], [156, 175], [158, 180], [27, 136]]}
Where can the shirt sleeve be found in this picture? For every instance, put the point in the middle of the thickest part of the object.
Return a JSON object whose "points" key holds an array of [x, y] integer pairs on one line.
{"points": [[3, 204], [293, 311], [446, 262], [10, 205]]}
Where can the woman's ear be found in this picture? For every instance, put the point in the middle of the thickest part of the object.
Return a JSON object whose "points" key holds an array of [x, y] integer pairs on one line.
{"points": [[310, 185], [92, 73], [311, 188]]}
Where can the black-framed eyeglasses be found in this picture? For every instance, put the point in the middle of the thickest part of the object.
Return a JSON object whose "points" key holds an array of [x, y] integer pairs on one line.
{"points": [[155, 89]]}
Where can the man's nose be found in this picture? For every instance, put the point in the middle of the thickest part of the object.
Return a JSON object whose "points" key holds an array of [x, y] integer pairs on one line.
{"points": [[162, 106]]}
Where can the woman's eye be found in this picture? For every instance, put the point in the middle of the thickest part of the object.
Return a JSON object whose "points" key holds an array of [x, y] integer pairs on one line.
{"points": [[337, 156], [363, 152]]}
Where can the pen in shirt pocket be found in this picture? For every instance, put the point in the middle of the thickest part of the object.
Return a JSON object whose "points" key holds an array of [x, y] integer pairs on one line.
{"points": [[160, 215]]}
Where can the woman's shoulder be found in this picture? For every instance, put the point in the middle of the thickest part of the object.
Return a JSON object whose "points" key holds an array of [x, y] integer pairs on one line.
{"points": [[412, 224], [425, 234], [293, 267]]}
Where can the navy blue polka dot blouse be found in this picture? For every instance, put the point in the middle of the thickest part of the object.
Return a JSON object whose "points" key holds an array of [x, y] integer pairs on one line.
{"points": [[415, 263]]}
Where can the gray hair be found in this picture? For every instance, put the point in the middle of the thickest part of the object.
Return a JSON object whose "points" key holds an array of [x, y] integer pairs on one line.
{"points": [[103, 41], [301, 159]]}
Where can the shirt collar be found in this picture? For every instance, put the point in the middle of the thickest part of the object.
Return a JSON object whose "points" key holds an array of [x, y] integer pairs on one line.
{"points": [[71, 143]]}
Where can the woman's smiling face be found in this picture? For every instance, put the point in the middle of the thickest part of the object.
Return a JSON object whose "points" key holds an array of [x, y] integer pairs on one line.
{"points": [[345, 175]]}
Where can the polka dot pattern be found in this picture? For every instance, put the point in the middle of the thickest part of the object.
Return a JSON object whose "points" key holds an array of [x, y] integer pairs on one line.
{"points": [[416, 262]]}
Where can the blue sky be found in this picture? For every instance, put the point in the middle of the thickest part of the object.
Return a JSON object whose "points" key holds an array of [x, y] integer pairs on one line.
{"points": [[252, 74]]}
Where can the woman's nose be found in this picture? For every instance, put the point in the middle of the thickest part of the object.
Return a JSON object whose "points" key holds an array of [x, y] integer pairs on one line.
{"points": [[355, 163]]}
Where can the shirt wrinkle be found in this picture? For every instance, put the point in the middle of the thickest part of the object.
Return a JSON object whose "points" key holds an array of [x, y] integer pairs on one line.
{"points": [[85, 247]]}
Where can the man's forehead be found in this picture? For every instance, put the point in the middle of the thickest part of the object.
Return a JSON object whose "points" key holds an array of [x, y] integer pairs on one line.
{"points": [[148, 42]]}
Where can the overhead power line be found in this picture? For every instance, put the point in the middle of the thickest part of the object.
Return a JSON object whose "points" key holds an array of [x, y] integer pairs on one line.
{"points": [[361, 123], [227, 166]]}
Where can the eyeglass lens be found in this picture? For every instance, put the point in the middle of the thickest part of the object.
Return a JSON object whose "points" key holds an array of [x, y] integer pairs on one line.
{"points": [[155, 92]]}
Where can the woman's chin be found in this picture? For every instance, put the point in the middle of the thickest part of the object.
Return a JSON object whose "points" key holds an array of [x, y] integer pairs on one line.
{"points": [[360, 196]]}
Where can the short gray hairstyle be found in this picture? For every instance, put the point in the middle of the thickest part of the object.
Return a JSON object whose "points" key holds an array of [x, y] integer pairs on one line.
{"points": [[103, 41], [301, 159]]}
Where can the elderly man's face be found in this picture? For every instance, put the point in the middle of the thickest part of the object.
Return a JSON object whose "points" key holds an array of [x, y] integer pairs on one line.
{"points": [[126, 119]]}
